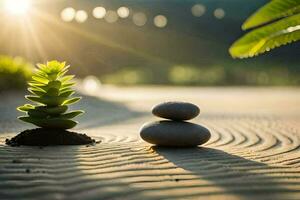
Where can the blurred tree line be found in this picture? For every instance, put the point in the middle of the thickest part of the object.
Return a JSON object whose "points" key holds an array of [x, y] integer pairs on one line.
{"points": [[188, 51]]}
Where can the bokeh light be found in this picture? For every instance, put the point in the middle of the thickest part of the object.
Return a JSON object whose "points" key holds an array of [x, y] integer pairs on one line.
{"points": [[198, 10], [91, 84], [160, 21], [123, 12], [81, 16], [68, 14], [219, 13], [17, 7], [139, 19], [99, 12], [111, 16]]}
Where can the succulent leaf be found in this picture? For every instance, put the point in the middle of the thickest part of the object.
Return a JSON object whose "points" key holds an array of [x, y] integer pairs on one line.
{"points": [[66, 93], [65, 85], [51, 89], [65, 70], [25, 108], [41, 74], [54, 84], [71, 101], [53, 92], [50, 123], [36, 91], [67, 78], [72, 114], [36, 113], [52, 111], [65, 89], [47, 100], [40, 79], [37, 84]]}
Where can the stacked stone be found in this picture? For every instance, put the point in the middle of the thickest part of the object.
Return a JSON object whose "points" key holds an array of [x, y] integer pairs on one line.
{"points": [[175, 131]]}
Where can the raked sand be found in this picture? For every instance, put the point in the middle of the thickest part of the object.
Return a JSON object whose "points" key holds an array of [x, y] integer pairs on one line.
{"points": [[254, 152]]}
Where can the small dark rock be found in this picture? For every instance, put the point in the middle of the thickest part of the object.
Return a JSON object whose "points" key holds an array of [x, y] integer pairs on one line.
{"points": [[28, 171], [176, 110], [174, 133]]}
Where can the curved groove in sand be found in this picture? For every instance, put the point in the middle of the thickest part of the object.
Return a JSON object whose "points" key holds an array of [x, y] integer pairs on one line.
{"points": [[245, 158]]}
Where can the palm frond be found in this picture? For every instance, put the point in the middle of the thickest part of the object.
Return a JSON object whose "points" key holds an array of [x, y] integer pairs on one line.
{"points": [[276, 9], [268, 37]]}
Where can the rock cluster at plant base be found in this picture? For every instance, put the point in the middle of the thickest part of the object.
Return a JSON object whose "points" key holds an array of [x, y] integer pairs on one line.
{"points": [[175, 131]]}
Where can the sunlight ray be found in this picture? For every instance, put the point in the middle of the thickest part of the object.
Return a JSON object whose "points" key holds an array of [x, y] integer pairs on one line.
{"points": [[26, 39], [36, 41], [58, 41], [97, 39]]}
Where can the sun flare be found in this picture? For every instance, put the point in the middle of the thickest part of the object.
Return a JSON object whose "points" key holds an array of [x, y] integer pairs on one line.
{"points": [[17, 7]]}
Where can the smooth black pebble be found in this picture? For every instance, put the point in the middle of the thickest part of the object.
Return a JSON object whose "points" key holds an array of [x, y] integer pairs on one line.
{"points": [[174, 133], [178, 111]]}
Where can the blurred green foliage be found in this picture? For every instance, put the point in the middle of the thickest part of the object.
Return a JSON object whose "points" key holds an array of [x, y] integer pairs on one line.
{"points": [[14, 72], [228, 74]]}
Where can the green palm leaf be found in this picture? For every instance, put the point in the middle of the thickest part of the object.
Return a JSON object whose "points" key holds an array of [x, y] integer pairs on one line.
{"points": [[268, 37], [274, 10]]}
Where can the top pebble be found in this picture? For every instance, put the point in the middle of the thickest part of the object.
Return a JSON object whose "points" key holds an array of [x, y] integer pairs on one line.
{"points": [[178, 111]]}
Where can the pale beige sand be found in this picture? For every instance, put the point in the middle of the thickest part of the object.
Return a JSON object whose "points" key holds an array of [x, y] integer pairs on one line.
{"points": [[253, 153]]}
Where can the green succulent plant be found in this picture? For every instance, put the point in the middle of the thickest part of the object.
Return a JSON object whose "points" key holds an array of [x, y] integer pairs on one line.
{"points": [[275, 24], [51, 91]]}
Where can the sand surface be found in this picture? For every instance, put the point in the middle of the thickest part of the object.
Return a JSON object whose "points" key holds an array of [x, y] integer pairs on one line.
{"points": [[253, 153]]}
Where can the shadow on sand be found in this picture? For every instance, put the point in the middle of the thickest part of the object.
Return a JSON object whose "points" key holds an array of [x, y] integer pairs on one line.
{"points": [[237, 176], [98, 112]]}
